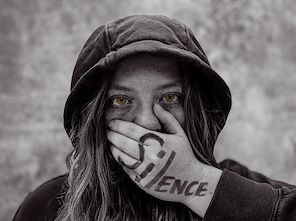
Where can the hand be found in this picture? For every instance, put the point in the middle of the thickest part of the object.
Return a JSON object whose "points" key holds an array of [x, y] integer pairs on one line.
{"points": [[163, 165]]}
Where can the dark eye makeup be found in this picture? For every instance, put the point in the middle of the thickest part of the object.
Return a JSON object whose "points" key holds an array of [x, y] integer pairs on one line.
{"points": [[120, 100]]}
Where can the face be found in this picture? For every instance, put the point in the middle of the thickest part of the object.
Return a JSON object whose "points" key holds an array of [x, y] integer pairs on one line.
{"points": [[140, 82]]}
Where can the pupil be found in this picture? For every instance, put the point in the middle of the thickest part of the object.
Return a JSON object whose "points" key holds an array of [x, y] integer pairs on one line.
{"points": [[169, 97], [121, 100]]}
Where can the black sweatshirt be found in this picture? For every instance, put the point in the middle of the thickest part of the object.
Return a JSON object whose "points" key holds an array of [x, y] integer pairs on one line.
{"points": [[240, 195]]}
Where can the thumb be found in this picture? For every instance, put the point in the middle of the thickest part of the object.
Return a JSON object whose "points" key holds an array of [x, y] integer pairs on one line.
{"points": [[170, 123]]}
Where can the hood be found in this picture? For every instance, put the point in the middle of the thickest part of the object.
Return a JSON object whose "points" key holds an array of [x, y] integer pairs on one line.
{"points": [[132, 35]]}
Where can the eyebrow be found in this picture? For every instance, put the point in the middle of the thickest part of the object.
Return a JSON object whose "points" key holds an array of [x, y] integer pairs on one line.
{"points": [[169, 85], [161, 87]]}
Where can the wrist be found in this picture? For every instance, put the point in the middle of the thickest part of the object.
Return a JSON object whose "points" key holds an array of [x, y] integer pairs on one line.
{"points": [[206, 180]]}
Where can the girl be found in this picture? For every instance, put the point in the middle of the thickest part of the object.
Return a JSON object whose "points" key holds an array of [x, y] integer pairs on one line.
{"points": [[143, 115]]}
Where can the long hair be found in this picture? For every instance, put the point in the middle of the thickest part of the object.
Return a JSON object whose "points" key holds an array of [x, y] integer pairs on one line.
{"points": [[98, 189]]}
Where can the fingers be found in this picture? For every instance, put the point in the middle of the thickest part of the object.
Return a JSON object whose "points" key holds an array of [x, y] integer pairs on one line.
{"points": [[129, 129], [138, 170], [129, 164], [170, 123], [124, 143], [134, 131], [123, 159]]}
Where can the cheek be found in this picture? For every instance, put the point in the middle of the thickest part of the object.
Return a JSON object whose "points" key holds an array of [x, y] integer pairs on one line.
{"points": [[178, 112], [122, 114]]}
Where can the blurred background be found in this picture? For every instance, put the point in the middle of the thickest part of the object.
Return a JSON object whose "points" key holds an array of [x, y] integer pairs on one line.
{"points": [[251, 43]]}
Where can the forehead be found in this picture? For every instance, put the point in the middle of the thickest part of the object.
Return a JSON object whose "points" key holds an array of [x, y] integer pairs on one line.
{"points": [[143, 70]]}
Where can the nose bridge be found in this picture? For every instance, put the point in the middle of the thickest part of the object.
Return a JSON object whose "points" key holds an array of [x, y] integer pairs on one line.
{"points": [[145, 117]]}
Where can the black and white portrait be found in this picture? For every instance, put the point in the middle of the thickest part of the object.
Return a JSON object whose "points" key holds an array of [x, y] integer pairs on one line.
{"points": [[148, 110]]}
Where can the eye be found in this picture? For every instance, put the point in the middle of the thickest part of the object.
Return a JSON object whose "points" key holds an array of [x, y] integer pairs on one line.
{"points": [[120, 100], [170, 98]]}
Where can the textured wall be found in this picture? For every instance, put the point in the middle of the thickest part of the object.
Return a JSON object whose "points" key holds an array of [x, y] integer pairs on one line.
{"points": [[250, 43]]}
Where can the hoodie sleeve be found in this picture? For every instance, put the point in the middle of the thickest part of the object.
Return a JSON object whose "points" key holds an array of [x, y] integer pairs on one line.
{"points": [[241, 198], [242, 170]]}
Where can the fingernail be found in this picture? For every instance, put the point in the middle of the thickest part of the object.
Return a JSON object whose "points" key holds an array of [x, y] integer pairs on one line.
{"points": [[111, 123]]}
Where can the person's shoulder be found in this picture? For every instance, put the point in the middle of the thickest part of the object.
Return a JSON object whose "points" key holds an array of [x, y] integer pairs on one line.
{"points": [[232, 165], [43, 203], [50, 188]]}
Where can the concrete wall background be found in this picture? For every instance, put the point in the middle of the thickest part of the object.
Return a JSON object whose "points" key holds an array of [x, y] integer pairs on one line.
{"points": [[250, 43]]}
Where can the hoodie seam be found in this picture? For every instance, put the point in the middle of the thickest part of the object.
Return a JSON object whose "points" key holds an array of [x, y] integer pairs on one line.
{"points": [[187, 38], [276, 206], [107, 42]]}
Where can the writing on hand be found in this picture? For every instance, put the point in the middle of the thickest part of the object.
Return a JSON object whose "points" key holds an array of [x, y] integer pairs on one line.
{"points": [[164, 184]]}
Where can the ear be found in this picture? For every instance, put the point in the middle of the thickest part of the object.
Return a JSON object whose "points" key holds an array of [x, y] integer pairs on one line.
{"points": [[168, 120]]}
